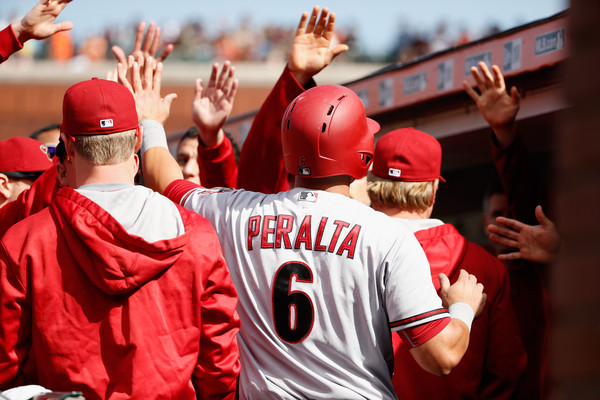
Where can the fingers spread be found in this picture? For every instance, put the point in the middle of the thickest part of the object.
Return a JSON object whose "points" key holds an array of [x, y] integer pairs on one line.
{"points": [[498, 77], [470, 91], [509, 256], [302, 24], [224, 75], [330, 27], [312, 20], [478, 79], [139, 37], [212, 82], [487, 76], [512, 223], [320, 28]]}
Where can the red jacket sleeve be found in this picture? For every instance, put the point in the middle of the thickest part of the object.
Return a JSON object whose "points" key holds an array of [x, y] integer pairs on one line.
{"points": [[9, 43], [218, 167], [218, 367], [15, 335], [31, 201], [261, 166]]}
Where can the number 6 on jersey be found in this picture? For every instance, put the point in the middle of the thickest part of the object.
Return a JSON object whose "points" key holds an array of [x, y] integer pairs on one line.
{"points": [[293, 311]]}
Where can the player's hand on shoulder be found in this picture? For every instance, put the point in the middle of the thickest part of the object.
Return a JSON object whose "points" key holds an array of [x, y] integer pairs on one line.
{"points": [[466, 289]]}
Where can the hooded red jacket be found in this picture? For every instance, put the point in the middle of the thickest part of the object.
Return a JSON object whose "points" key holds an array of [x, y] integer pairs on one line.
{"points": [[86, 306], [494, 364]]}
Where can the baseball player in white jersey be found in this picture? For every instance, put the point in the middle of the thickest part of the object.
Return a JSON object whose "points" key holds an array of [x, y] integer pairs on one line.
{"points": [[322, 279]]}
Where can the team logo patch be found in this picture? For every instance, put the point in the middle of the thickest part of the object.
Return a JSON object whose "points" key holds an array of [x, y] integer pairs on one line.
{"points": [[106, 123], [308, 196], [304, 171], [394, 172]]}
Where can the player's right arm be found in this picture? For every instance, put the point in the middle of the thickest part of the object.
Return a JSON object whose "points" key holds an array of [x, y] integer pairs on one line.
{"points": [[465, 300], [261, 166], [159, 166]]}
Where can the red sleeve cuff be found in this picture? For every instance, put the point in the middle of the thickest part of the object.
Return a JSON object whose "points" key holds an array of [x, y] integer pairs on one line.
{"points": [[422, 333], [288, 76], [216, 153], [9, 43], [177, 190]]}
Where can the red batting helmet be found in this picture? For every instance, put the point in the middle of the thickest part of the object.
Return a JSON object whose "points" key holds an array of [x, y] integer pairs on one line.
{"points": [[325, 132]]}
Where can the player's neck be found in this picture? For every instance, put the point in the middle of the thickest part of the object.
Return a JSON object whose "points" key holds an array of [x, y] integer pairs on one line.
{"points": [[396, 212], [332, 184], [87, 173]]}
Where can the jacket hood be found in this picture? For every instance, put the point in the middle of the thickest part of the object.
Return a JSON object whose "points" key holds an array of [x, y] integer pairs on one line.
{"points": [[115, 261], [445, 248]]}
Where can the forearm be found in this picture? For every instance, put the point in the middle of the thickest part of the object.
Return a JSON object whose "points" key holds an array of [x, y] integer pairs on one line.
{"points": [[158, 165], [505, 135], [210, 139], [444, 351]]}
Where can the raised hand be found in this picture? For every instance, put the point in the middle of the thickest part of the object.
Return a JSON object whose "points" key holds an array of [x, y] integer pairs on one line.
{"points": [[39, 22], [145, 84], [212, 104], [144, 46], [497, 106], [539, 243], [310, 51]]}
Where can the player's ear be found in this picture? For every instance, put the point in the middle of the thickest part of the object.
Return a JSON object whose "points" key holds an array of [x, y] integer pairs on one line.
{"points": [[4, 188], [434, 189], [61, 173], [69, 144], [139, 134]]}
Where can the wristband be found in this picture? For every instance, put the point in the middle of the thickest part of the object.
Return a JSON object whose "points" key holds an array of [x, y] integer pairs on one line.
{"points": [[462, 311], [154, 136]]}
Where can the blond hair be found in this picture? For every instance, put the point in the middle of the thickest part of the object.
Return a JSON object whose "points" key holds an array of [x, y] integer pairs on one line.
{"points": [[408, 196], [108, 149]]}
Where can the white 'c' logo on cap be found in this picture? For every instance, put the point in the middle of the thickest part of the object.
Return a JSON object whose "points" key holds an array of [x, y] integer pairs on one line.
{"points": [[106, 123]]}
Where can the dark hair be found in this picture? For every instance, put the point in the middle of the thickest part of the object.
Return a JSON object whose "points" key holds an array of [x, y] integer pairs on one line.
{"points": [[46, 128], [61, 151], [192, 133]]}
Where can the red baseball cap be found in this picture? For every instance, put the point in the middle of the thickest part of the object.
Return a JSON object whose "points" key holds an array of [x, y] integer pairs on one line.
{"points": [[23, 155], [97, 107], [408, 155]]}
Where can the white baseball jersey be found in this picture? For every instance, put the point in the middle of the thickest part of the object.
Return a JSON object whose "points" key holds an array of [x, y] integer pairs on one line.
{"points": [[322, 280]]}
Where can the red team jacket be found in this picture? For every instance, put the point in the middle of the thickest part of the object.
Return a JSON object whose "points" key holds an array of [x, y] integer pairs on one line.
{"points": [[8, 43], [85, 306], [493, 366]]}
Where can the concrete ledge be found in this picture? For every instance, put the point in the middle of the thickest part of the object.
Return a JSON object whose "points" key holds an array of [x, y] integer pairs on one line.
{"points": [[18, 71]]}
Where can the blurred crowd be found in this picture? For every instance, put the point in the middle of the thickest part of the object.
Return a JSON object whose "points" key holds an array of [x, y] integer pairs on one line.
{"points": [[242, 42]]}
